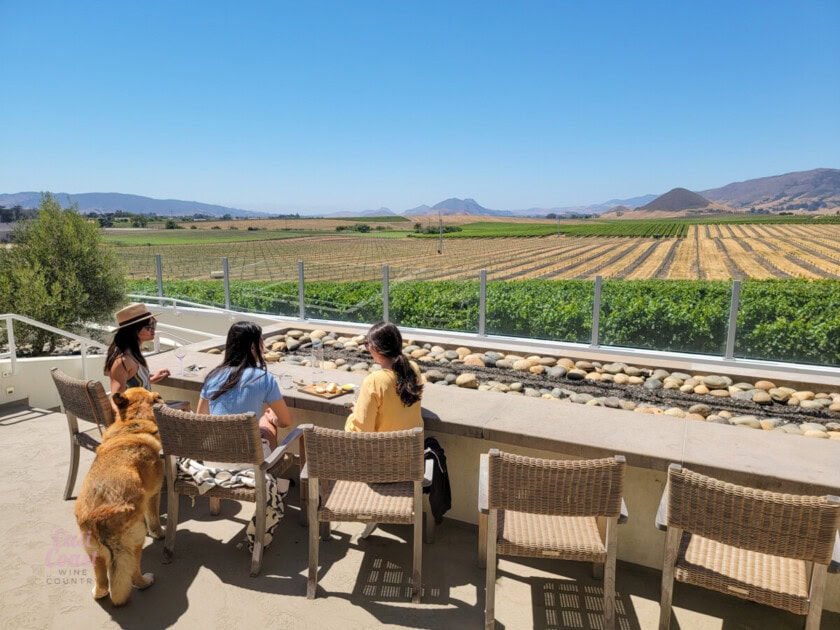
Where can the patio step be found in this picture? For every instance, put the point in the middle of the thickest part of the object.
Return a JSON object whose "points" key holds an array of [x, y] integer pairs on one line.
{"points": [[14, 405]]}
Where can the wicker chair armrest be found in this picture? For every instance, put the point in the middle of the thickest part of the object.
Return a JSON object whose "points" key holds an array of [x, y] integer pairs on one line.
{"points": [[428, 473], [281, 449], [483, 484], [834, 566]]}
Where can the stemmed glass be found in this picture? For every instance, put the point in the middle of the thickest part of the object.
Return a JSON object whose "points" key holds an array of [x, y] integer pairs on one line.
{"points": [[180, 353], [318, 362]]}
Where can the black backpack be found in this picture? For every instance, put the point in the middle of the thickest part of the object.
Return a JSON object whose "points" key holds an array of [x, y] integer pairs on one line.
{"points": [[440, 496]]}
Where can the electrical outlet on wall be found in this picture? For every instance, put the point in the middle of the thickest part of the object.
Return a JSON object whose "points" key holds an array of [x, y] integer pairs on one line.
{"points": [[7, 373], [10, 391]]}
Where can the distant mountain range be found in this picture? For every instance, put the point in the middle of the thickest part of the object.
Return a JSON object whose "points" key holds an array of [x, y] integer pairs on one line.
{"points": [[815, 190], [111, 202]]}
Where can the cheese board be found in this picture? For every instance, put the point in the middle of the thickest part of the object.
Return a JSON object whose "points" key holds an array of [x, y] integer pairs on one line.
{"points": [[314, 389]]}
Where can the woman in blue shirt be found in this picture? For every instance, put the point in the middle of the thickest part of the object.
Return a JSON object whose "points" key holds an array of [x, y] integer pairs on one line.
{"points": [[242, 383]]}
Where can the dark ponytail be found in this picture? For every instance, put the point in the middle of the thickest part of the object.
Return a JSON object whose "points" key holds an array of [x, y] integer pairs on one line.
{"points": [[387, 340]]}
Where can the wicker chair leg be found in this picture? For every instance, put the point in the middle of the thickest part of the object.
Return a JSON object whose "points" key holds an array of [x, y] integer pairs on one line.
{"points": [[490, 556], [304, 503], [672, 543], [598, 567], [215, 505], [304, 487], [417, 564], [312, 582], [609, 574], [171, 523], [428, 520], [74, 468], [259, 534], [818, 575], [482, 540], [324, 527]]}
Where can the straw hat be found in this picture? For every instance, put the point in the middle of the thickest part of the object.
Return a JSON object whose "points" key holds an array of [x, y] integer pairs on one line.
{"points": [[132, 314]]}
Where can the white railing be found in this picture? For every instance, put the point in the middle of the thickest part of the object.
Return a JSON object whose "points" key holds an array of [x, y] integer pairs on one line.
{"points": [[10, 318], [173, 336]]}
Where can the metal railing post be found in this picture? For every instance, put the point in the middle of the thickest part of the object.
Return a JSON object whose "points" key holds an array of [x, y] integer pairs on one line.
{"points": [[226, 271], [83, 354], [734, 303], [159, 274], [596, 313], [10, 334], [301, 305], [386, 294], [482, 303]]}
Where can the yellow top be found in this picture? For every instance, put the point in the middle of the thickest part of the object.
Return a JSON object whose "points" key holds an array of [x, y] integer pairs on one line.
{"points": [[379, 407]]}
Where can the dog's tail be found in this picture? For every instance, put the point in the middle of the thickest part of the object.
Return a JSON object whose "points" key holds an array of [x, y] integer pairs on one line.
{"points": [[103, 530]]}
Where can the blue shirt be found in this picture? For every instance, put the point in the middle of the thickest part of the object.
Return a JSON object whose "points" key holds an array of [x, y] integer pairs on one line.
{"points": [[255, 388]]}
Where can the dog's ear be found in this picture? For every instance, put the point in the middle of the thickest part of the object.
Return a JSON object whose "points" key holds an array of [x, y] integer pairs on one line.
{"points": [[119, 400]]}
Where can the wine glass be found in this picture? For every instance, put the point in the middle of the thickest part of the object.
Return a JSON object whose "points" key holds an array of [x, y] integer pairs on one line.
{"points": [[180, 353], [318, 362]]}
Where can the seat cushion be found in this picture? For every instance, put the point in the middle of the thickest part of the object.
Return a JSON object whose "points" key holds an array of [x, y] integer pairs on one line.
{"points": [[544, 536], [377, 502], [758, 577]]}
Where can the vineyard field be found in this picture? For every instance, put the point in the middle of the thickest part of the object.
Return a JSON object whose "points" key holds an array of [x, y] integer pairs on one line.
{"points": [[706, 252]]}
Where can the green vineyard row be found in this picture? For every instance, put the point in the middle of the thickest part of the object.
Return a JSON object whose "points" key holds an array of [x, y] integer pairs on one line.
{"points": [[655, 228], [785, 320]]}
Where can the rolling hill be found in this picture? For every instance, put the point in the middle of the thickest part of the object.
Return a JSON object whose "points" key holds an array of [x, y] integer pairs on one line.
{"points": [[677, 199], [111, 202], [804, 190]]}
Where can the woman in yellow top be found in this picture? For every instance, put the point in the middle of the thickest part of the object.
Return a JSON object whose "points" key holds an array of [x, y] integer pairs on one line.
{"points": [[389, 399]]}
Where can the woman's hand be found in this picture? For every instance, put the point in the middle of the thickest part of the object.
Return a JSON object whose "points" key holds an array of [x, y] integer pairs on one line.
{"points": [[158, 376]]}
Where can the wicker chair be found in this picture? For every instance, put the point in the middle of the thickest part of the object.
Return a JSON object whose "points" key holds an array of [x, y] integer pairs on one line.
{"points": [[87, 401], [367, 477], [749, 543], [541, 508], [232, 438]]}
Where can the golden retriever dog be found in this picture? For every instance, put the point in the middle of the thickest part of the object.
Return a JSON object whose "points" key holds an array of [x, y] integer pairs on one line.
{"points": [[120, 498]]}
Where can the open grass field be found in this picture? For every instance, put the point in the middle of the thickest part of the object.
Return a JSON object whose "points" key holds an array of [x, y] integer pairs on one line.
{"points": [[706, 252]]}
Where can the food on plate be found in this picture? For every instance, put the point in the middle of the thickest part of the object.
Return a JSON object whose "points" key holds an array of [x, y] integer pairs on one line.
{"points": [[348, 387], [320, 389]]}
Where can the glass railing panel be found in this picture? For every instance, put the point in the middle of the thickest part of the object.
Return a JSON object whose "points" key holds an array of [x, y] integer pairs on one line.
{"points": [[450, 305], [342, 290], [668, 315], [556, 310], [186, 275], [795, 321]]}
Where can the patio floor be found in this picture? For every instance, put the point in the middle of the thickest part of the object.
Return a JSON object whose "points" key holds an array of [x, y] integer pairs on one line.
{"points": [[45, 577]]}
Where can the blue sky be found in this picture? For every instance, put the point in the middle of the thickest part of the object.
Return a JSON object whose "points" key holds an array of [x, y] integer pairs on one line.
{"points": [[319, 106]]}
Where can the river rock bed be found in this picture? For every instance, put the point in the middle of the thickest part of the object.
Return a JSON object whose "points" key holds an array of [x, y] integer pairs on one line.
{"points": [[701, 397]]}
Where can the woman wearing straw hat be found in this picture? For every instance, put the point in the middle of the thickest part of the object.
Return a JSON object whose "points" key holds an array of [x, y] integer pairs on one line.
{"points": [[125, 363]]}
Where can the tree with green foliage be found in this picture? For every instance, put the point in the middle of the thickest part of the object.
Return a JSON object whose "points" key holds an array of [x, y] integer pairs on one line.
{"points": [[59, 272]]}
